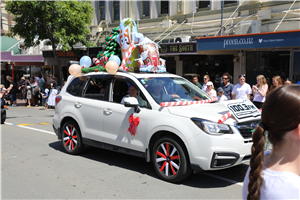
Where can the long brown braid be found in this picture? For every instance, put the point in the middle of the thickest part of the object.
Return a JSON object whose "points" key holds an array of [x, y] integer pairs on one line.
{"points": [[280, 114]]}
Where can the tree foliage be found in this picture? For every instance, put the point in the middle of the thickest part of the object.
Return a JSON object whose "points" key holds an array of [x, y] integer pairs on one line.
{"points": [[64, 23]]}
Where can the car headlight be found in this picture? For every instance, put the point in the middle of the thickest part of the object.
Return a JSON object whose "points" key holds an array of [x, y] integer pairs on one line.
{"points": [[212, 127]]}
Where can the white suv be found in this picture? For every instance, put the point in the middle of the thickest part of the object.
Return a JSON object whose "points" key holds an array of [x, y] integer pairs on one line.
{"points": [[175, 139]]}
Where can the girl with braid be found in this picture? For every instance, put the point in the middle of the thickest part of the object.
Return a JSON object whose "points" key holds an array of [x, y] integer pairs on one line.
{"points": [[276, 174]]}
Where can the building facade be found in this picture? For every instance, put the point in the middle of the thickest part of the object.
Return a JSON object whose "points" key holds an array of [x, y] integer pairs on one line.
{"points": [[187, 23]]}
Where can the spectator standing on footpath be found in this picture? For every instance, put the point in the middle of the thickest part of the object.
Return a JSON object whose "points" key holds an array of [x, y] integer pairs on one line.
{"points": [[210, 91], [205, 79], [196, 82], [227, 86], [22, 87], [28, 96], [35, 91], [287, 82], [220, 96], [260, 91], [277, 82], [53, 82], [242, 90], [12, 90], [276, 174]]}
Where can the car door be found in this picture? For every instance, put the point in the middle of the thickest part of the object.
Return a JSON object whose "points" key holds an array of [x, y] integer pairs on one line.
{"points": [[91, 106], [116, 119]]}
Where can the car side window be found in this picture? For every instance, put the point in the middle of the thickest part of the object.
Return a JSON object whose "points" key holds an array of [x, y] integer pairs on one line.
{"points": [[97, 87], [76, 86], [121, 89]]}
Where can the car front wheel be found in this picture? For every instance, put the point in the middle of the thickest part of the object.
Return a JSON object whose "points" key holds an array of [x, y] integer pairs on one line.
{"points": [[71, 138], [170, 160]]}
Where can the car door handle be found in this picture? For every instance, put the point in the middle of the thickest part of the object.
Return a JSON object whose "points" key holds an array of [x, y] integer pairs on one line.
{"points": [[108, 111], [77, 105]]}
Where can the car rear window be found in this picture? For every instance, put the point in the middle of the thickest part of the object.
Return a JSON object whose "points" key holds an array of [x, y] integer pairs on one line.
{"points": [[76, 86]]}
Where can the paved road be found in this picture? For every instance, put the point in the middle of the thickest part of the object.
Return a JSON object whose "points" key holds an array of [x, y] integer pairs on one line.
{"points": [[35, 166]]}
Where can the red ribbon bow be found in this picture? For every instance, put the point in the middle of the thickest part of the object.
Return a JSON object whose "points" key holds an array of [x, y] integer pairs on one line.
{"points": [[134, 121]]}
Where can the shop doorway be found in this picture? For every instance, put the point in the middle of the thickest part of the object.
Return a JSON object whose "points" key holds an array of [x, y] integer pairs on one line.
{"points": [[212, 65]]}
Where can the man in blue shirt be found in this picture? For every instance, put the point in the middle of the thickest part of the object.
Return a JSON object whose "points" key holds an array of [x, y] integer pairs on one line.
{"points": [[227, 86]]}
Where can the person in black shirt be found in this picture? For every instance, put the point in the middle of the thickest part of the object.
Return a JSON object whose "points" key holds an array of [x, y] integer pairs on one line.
{"points": [[12, 90]]}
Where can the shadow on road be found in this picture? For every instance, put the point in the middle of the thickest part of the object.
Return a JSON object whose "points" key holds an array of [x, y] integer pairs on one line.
{"points": [[199, 180]]}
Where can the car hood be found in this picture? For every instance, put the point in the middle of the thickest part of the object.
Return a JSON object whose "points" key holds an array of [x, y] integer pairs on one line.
{"points": [[210, 111]]}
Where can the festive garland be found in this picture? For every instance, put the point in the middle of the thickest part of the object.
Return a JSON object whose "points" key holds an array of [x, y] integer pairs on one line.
{"points": [[97, 68]]}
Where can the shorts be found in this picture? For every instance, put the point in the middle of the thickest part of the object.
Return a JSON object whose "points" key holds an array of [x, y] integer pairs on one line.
{"points": [[13, 97], [258, 104]]}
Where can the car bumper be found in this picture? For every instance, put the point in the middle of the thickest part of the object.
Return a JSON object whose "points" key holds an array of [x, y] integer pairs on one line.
{"points": [[57, 131]]}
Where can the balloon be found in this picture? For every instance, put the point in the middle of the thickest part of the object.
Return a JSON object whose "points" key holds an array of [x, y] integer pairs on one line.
{"points": [[75, 70], [112, 67], [115, 58], [85, 61]]}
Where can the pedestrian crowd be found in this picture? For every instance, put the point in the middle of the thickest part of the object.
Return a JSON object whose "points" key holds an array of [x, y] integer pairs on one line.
{"points": [[242, 90], [35, 91]]}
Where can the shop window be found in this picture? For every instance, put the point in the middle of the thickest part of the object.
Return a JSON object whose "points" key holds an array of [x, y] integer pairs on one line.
{"points": [[102, 10], [203, 4], [145, 8], [267, 63], [97, 88], [116, 11], [164, 7]]}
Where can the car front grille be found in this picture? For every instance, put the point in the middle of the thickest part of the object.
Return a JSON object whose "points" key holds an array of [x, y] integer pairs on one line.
{"points": [[246, 128]]}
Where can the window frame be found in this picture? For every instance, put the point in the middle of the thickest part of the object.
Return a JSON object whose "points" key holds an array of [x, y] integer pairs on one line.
{"points": [[105, 77], [142, 10], [102, 7], [204, 8], [113, 11], [164, 14]]}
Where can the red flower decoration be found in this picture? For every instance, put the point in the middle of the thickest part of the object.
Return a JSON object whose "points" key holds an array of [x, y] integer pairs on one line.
{"points": [[134, 121], [96, 70]]}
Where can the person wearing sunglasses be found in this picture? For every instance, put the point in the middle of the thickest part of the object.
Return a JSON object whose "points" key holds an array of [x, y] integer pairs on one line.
{"points": [[206, 79], [287, 82], [227, 86], [242, 90]]}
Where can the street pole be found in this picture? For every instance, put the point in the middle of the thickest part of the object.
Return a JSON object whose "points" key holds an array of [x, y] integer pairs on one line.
{"points": [[222, 6]]}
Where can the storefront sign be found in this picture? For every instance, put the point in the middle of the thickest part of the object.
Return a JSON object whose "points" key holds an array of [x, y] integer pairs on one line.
{"points": [[243, 110], [8, 56], [63, 54], [178, 48], [250, 41]]}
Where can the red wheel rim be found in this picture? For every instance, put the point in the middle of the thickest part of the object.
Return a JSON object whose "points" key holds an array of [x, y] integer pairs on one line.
{"points": [[70, 137]]}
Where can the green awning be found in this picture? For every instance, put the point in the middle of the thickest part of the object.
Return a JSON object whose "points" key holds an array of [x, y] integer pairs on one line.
{"points": [[8, 42]]}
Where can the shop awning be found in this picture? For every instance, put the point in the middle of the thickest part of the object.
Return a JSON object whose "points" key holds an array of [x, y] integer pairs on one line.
{"points": [[9, 56], [8, 42], [282, 39]]}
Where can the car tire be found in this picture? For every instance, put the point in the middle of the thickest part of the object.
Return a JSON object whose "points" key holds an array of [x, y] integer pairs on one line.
{"points": [[71, 138], [3, 117], [170, 160]]}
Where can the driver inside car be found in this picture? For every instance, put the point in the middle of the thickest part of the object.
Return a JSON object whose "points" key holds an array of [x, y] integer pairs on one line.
{"points": [[157, 94]]}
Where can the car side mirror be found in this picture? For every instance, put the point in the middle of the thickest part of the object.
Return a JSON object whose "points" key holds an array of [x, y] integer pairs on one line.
{"points": [[132, 102]]}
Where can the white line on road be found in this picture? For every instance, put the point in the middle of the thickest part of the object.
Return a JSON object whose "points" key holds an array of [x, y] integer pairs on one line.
{"points": [[35, 129], [224, 179]]}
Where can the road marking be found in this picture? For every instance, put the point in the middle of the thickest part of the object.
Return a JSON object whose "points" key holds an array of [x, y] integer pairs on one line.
{"points": [[35, 129], [223, 179], [45, 123], [24, 124]]}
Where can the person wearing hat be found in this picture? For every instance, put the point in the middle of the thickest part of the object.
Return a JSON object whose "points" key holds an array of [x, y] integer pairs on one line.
{"points": [[210, 91], [22, 87], [220, 96]]}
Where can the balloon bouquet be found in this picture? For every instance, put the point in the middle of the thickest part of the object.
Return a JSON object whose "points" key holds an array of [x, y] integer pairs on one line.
{"points": [[138, 53]]}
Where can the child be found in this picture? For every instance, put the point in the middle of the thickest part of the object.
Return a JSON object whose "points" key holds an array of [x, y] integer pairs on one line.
{"points": [[29, 96], [220, 96], [45, 98]]}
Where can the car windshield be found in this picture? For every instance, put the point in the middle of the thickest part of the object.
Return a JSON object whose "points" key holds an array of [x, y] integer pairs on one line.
{"points": [[168, 89]]}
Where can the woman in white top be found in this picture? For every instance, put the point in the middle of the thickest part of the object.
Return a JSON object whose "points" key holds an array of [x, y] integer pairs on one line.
{"points": [[260, 91], [210, 91], [276, 174], [242, 90], [206, 79]]}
